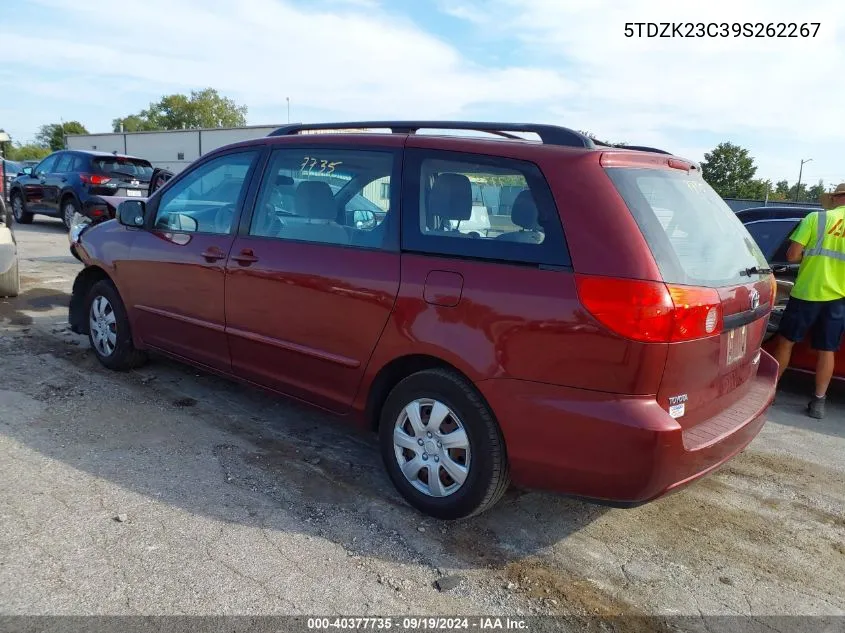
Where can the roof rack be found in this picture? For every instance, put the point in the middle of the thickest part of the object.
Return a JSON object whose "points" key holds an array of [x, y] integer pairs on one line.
{"points": [[549, 134]]}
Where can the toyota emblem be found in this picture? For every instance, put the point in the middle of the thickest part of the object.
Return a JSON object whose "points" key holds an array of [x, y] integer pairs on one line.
{"points": [[755, 299]]}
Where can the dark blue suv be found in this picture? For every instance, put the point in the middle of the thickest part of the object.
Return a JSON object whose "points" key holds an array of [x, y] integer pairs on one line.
{"points": [[71, 181]]}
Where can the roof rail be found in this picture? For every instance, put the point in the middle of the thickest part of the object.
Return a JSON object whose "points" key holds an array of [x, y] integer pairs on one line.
{"points": [[549, 134]]}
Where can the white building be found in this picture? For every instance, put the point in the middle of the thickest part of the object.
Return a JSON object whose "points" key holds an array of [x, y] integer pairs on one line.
{"points": [[171, 149]]}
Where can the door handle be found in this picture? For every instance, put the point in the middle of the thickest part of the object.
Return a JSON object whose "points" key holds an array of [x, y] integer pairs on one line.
{"points": [[246, 257], [213, 254]]}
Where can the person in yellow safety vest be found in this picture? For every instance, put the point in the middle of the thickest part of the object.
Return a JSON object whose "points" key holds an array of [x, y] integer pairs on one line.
{"points": [[817, 301]]}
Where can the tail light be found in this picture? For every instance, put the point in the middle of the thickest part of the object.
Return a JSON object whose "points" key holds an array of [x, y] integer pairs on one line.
{"points": [[94, 179], [650, 311]]}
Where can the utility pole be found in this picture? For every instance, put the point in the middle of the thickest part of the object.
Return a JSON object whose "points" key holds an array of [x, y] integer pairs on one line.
{"points": [[288, 100], [800, 173]]}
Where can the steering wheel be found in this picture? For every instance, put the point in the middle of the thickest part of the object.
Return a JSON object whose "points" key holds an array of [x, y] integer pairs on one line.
{"points": [[223, 218]]}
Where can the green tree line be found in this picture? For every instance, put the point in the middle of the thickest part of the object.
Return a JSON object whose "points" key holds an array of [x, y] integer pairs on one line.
{"points": [[731, 171]]}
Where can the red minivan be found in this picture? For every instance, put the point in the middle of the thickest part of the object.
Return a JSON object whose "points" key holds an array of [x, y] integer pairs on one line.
{"points": [[558, 313]]}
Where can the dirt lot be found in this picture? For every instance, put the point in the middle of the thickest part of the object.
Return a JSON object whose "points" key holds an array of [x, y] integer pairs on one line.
{"points": [[167, 491]]}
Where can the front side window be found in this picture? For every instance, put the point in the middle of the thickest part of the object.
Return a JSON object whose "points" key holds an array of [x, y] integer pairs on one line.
{"points": [[329, 196], [207, 198], [46, 165], [481, 206]]}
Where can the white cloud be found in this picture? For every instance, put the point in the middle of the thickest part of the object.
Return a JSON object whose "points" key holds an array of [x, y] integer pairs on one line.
{"points": [[646, 89], [340, 56], [564, 61]]}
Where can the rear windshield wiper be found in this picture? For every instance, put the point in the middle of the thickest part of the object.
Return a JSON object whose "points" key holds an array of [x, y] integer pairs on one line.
{"points": [[756, 270]]}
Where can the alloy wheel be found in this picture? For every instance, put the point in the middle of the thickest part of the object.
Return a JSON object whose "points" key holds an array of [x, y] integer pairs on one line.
{"points": [[69, 211], [103, 326], [17, 208]]}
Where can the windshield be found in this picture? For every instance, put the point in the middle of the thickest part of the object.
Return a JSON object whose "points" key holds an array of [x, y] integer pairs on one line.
{"points": [[128, 167], [694, 236]]}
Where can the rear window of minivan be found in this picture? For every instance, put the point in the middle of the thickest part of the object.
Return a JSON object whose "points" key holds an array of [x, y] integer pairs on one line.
{"points": [[694, 236]]}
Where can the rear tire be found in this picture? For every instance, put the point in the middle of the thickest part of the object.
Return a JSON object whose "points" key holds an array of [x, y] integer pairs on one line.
{"points": [[19, 212], [69, 209], [426, 415], [109, 331], [10, 282]]}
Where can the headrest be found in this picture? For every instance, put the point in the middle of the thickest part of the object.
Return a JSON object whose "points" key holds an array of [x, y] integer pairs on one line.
{"points": [[281, 179], [451, 197], [314, 199], [524, 211]]}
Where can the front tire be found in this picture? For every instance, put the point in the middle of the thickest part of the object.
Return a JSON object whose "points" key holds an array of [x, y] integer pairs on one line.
{"points": [[19, 212], [441, 446], [108, 329], [10, 282]]}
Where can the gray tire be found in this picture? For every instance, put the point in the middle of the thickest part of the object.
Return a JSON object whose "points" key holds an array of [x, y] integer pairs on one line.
{"points": [[19, 212], [70, 207], [10, 282]]}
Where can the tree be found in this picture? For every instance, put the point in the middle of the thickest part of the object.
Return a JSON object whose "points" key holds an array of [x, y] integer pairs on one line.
{"points": [[781, 190], [30, 151], [132, 123], [728, 169], [52, 135], [601, 142], [815, 192], [755, 190], [202, 109]]}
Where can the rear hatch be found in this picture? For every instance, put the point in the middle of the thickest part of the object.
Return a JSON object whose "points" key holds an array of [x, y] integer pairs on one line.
{"points": [[719, 287], [119, 176]]}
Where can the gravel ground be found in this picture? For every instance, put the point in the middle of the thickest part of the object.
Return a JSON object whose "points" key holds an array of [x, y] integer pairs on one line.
{"points": [[169, 491]]}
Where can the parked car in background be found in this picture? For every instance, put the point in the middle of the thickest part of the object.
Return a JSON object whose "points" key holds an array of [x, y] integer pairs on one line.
{"points": [[604, 342], [771, 227], [9, 170], [10, 278], [68, 182]]}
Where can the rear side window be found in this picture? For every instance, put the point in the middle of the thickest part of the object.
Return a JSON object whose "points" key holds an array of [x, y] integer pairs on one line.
{"points": [[63, 164], [486, 207], [126, 167], [694, 236]]}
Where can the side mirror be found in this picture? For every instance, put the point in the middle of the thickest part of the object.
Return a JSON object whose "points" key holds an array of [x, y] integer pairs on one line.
{"points": [[131, 213], [364, 219]]}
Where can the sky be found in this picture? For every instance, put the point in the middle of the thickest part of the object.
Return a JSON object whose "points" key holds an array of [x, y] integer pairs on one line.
{"points": [[563, 62]]}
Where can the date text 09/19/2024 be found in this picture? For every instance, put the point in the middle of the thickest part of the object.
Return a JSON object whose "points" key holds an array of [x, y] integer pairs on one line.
{"points": [[416, 624], [721, 29]]}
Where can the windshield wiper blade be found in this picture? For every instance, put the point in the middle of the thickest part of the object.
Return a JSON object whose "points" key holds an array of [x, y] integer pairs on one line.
{"points": [[756, 270]]}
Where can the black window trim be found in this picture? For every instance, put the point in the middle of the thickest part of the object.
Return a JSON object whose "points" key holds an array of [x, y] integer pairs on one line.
{"points": [[154, 202], [391, 221], [552, 254]]}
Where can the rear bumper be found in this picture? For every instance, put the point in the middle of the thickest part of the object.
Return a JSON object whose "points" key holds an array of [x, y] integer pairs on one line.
{"points": [[621, 450]]}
